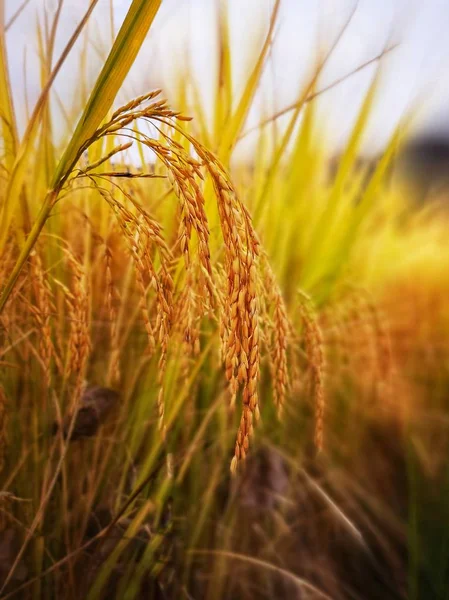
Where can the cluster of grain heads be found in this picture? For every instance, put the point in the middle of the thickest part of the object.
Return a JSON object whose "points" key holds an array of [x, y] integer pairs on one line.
{"points": [[358, 336], [313, 340], [240, 322], [384, 360], [181, 171], [187, 317], [110, 302], [143, 233], [78, 309], [170, 306], [41, 309], [240, 318], [79, 344], [280, 332]]}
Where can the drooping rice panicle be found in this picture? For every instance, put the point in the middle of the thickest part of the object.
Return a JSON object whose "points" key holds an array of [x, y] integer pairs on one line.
{"points": [[314, 348]]}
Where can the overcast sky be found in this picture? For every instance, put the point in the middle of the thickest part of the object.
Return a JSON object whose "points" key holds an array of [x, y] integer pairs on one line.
{"points": [[185, 30]]}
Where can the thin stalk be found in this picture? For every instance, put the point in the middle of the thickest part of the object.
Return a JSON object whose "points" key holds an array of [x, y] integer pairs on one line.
{"points": [[38, 225]]}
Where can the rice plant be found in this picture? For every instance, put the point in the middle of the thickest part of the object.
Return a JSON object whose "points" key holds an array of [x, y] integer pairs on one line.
{"points": [[218, 380]]}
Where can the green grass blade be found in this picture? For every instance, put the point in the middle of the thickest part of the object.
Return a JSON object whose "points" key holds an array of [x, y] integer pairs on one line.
{"points": [[131, 36], [239, 117], [26, 149], [123, 53], [8, 127]]}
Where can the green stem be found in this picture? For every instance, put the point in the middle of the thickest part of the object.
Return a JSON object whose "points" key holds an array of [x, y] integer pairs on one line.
{"points": [[44, 212]]}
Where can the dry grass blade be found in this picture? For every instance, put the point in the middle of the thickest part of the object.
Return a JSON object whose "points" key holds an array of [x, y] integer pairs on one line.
{"points": [[16, 15], [298, 581], [312, 96], [238, 118]]}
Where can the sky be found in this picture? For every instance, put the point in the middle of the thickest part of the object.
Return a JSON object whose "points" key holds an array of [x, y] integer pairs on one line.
{"points": [[184, 33]]}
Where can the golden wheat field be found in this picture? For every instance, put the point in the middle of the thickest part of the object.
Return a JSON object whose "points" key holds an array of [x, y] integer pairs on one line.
{"points": [[222, 375]]}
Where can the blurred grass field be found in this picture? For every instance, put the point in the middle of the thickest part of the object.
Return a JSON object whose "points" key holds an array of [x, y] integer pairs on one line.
{"points": [[276, 316]]}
